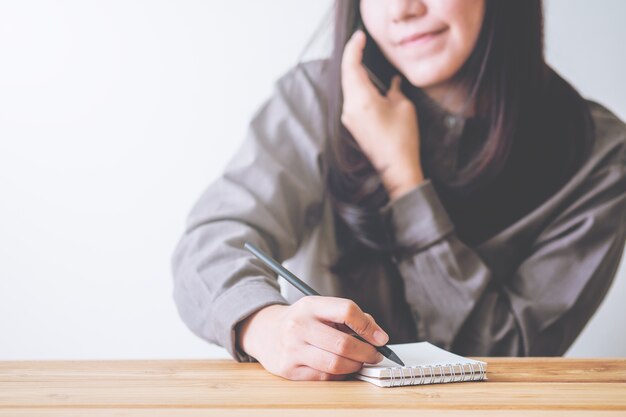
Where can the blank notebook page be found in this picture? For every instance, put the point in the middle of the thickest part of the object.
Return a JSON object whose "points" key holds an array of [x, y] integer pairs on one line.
{"points": [[419, 354]]}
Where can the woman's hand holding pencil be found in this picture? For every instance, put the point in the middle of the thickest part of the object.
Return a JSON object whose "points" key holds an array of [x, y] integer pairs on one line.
{"points": [[301, 342], [316, 338]]}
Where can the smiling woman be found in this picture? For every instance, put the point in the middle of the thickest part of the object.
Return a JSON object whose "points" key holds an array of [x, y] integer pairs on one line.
{"points": [[431, 47], [478, 204]]}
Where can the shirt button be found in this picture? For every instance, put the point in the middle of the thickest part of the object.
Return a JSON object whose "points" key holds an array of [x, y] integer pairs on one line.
{"points": [[450, 121]]}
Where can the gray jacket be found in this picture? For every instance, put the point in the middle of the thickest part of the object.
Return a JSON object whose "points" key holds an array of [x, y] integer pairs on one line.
{"points": [[272, 194]]}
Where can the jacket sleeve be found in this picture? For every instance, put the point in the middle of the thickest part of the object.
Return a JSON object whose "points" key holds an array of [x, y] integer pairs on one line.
{"points": [[541, 307], [263, 196]]}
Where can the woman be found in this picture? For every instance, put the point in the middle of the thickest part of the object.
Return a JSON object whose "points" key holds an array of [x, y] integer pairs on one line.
{"points": [[477, 204]]}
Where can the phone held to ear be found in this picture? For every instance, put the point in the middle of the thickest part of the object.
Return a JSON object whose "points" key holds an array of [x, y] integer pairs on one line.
{"points": [[379, 69]]}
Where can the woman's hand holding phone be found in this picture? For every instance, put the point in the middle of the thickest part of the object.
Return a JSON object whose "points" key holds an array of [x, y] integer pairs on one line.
{"points": [[385, 127]]}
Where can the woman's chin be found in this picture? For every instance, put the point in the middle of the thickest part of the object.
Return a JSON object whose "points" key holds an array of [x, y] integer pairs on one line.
{"points": [[424, 80], [424, 76]]}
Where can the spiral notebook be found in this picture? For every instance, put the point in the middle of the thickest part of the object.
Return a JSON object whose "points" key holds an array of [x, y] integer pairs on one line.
{"points": [[425, 363]]}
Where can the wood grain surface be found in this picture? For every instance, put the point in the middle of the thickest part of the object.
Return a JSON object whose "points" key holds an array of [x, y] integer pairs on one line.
{"points": [[515, 387]]}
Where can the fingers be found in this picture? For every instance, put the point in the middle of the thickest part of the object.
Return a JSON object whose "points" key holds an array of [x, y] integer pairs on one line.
{"points": [[354, 80], [310, 348], [342, 344], [395, 92], [341, 310], [328, 362]]}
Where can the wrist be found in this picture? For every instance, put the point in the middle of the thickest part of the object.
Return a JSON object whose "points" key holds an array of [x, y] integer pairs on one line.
{"points": [[247, 329], [402, 187]]}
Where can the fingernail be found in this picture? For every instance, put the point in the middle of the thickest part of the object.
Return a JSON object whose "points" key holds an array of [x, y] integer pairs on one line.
{"points": [[380, 337], [380, 357]]}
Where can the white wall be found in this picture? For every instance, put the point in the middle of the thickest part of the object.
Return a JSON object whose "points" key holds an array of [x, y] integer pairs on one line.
{"points": [[585, 43], [114, 115]]}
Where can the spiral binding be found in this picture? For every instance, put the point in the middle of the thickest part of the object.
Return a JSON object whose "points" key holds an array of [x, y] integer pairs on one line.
{"points": [[428, 374]]}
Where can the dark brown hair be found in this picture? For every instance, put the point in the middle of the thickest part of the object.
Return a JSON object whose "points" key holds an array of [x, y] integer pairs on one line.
{"points": [[529, 112]]}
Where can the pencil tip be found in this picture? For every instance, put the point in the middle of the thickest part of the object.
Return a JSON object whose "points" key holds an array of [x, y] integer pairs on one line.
{"points": [[396, 359]]}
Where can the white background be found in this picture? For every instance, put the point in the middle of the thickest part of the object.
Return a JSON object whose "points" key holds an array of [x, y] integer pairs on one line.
{"points": [[114, 116]]}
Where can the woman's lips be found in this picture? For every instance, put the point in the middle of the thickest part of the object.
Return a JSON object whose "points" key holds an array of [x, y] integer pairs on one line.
{"points": [[420, 38]]}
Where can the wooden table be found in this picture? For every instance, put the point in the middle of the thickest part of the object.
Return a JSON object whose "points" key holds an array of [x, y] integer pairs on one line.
{"points": [[516, 386]]}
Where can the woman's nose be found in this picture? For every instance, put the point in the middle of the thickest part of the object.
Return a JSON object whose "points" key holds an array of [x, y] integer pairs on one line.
{"points": [[400, 10]]}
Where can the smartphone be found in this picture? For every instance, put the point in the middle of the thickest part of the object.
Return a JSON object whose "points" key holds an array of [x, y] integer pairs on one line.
{"points": [[379, 69]]}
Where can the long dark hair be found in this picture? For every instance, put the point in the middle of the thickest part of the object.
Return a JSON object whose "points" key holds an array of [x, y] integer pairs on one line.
{"points": [[527, 108]]}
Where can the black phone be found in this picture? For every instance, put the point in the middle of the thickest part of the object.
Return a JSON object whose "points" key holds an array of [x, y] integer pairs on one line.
{"points": [[379, 69]]}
